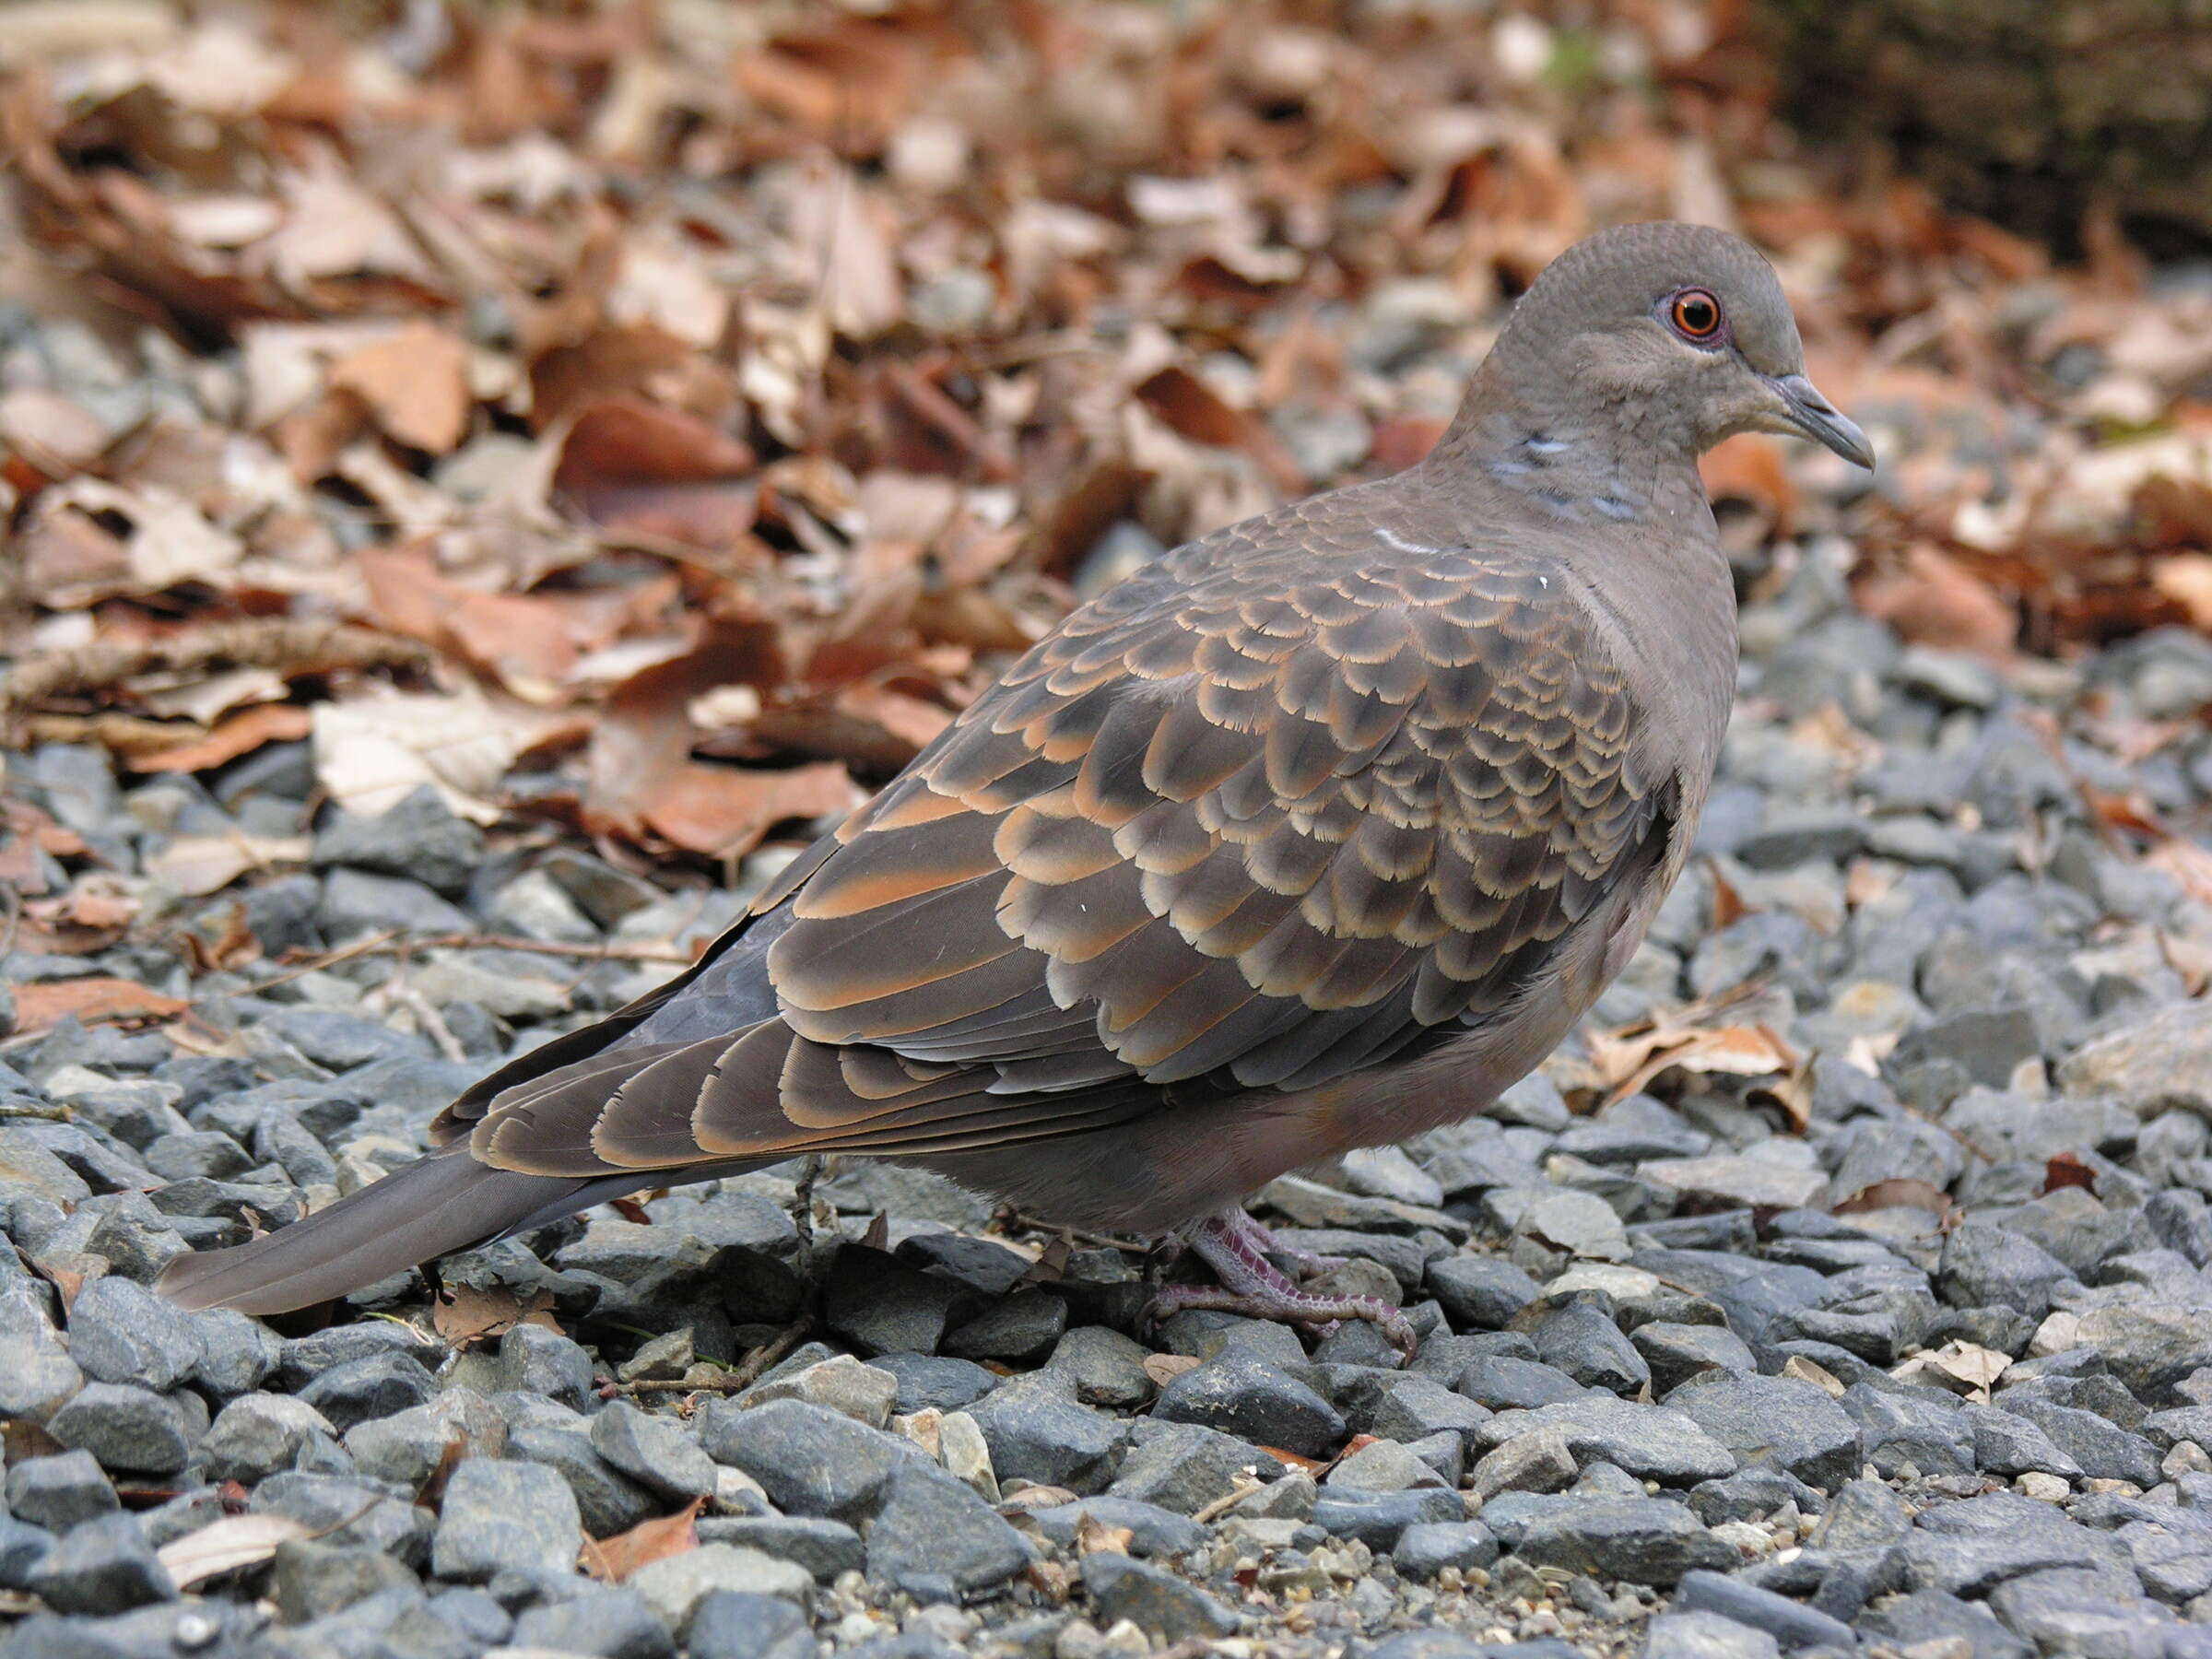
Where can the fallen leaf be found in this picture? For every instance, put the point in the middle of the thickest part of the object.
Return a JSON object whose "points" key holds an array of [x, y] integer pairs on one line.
{"points": [[2067, 1170], [1963, 1367], [227, 1546], [1749, 468], [416, 384], [240, 735], [1163, 1369], [464, 1315], [372, 753], [1093, 1536], [197, 865], [1901, 1193], [1805, 1371], [611, 1560], [93, 1001]]}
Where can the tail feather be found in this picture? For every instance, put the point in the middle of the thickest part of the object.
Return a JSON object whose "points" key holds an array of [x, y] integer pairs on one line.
{"points": [[430, 1207]]}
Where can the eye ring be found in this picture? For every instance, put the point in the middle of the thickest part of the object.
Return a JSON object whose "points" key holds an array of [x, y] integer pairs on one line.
{"points": [[1695, 315]]}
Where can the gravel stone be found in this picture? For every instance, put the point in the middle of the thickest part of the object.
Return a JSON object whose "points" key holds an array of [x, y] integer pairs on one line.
{"points": [[102, 1566], [498, 1515], [652, 1451], [1779, 1422], [1245, 1396], [1426, 1548], [1700, 1634], [120, 1333], [824, 1547], [607, 1622], [1162, 1605], [809, 1459], [673, 1586], [60, 1491], [1037, 1431], [132, 1429], [930, 1525], [1639, 1540], [736, 1624], [1652, 1443]]}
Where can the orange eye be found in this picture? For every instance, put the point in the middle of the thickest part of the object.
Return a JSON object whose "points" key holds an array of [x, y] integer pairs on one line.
{"points": [[1696, 314]]}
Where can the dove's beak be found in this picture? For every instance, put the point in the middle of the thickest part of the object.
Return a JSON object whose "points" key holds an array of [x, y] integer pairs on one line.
{"points": [[1807, 412]]}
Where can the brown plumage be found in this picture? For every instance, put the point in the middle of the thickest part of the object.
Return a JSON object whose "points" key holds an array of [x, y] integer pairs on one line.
{"points": [[1318, 831]]}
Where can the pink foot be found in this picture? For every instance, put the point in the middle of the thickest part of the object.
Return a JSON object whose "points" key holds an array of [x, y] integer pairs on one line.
{"points": [[1235, 1247]]}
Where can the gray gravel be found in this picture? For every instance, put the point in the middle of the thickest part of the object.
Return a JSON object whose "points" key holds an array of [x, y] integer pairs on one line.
{"points": [[1704, 1373]]}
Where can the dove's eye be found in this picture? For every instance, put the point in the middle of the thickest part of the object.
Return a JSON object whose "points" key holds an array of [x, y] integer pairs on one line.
{"points": [[1696, 314]]}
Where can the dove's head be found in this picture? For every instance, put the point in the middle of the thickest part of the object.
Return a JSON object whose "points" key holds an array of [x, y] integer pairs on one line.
{"points": [[1669, 336]]}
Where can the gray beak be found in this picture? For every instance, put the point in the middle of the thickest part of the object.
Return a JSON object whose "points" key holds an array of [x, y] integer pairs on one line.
{"points": [[1805, 409]]}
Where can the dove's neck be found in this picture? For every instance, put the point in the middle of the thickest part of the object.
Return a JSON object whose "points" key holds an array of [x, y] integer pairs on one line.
{"points": [[1569, 456]]}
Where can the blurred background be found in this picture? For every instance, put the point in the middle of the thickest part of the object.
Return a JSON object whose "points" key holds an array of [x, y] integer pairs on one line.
{"points": [[649, 424]]}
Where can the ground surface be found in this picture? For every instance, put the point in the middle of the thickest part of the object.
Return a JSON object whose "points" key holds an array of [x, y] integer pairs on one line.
{"points": [[480, 481], [1888, 1300]]}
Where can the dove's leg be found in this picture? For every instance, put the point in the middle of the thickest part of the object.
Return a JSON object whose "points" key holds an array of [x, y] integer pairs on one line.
{"points": [[1234, 1246], [1262, 1238]]}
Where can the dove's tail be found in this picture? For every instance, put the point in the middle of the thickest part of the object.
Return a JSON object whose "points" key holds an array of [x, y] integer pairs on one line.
{"points": [[430, 1207]]}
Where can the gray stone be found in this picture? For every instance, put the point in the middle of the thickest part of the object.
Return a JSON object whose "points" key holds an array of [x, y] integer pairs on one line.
{"points": [[312, 1579], [1641, 1540], [102, 1566], [653, 1451], [1037, 1431], [342, 1510], [499, 1514], [2101, 1450], [58, 1492], [931, 1524], [131, 1428], [824, 1547], [1380, 1519], [1791, 1624], [733, 1624], [674, 1585], [930, 1381], [120, 1333], [1985, 1264], [1780, 1422], [1504, 1383], [1165, 1608], [1581, 1339], [1652, 1443], [2163, 1060], [1929, 1616], [883, 1306], [258, 1435], [604, 1622], [376, 1385], [1153, 1530], [2007, 1443], [420, 838], [1479, 1293], [1676, 1353], [1426, 1548], [1704, 1634], [1183, 1466], [1103, 1366], [1245, 1396], [1017, 1328], [1923, 1432], [810, 1460]]}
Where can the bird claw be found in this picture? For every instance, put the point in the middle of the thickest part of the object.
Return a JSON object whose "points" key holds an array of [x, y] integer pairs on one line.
{"points": [[1237, 1248]]}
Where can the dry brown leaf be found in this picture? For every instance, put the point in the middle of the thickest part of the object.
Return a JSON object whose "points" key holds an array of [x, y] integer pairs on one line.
{"points": [[240, 735], [197, 865], [414, 384], [1163, 1369], [464, 1315], [227, 1546], [613, 1559], [2065, 1169], [1093, 1536], [1935, 600], [92, 1001], [1902, 1193], [1749, 468]]}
